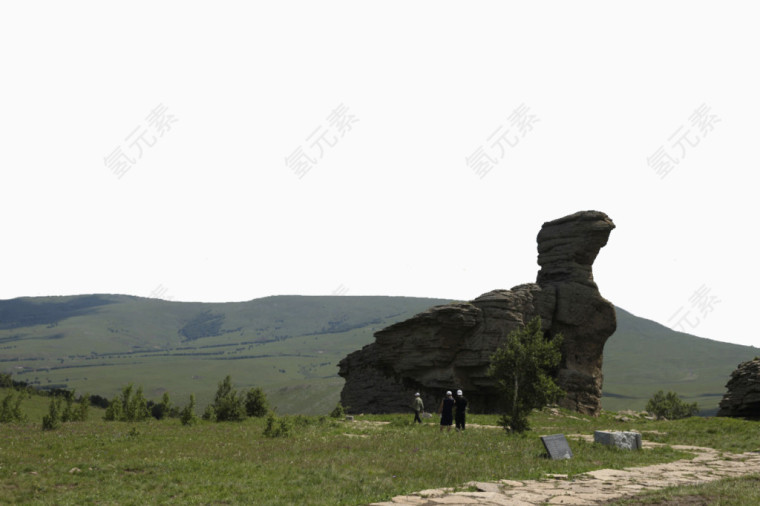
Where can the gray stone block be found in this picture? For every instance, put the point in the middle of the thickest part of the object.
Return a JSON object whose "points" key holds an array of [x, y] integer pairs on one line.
{"points": [[624, 440]]}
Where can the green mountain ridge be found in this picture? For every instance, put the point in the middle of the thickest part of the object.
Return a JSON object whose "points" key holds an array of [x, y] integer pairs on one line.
{"points": [[290, 346]]}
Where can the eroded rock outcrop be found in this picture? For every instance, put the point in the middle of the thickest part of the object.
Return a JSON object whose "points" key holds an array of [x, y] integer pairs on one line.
{"points": [[743, 396], [448, 347]]}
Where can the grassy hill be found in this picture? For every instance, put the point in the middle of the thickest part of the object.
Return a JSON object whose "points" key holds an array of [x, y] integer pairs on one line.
{"points": [[290, 346], [643, 356]]}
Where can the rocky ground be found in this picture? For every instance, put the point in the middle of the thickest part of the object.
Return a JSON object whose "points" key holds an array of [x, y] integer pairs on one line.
{"points": [[595, 487]]}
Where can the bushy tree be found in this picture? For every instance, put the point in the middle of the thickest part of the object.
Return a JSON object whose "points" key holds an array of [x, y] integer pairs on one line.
{"points": [[256, 403], [228, 406], [52, 420], [523, 368], [6, 381], [67, 413], [338, 411], [161, 410], [278, 427], [10, 409], [82, 411], [187, 417], [114, 411], [128, 407], [670, 406], [137, 407], [208, 414]]}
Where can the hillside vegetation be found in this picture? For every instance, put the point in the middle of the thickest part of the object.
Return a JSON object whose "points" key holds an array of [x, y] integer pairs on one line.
{"points": [[290, 346]]}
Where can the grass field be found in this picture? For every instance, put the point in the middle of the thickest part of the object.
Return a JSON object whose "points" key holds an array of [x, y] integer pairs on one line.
{"points": [[322, 461]]}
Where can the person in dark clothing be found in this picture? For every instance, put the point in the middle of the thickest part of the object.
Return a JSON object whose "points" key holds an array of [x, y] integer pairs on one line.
{"points": [[446, 411], [461, 409]]}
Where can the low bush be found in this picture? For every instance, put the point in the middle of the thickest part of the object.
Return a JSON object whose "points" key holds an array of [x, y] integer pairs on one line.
{"points": [[670, 406]]}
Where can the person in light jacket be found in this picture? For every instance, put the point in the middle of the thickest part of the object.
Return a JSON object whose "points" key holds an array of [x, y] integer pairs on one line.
{"points": [[418, 407]]}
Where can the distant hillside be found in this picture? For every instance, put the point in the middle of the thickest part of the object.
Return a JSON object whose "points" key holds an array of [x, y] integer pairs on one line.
{"points": [[643, 356], [290, 346]]}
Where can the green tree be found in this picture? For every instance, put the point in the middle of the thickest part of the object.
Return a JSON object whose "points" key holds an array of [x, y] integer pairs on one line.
{"points": [[52, 420], [208, 414], [82, 412], [281, 427], [338, 411], [67, 415], [6, 381], [523, 368], [137, 407], [670, 406], [114, 411], [128, 407], [187, 417], [256, 403], [163, 408], [228, 406], [10, 409]]}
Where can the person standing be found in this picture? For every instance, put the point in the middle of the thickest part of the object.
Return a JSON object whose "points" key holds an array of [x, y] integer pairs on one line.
{"points": [[418, 407], [446, 411], [461, 409]]}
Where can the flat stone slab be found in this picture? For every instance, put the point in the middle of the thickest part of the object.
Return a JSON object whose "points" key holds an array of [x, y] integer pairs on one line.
{"points": [[557, 447]]}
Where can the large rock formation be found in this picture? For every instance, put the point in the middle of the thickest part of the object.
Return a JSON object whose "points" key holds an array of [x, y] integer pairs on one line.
{"points": [[743, 396], [449, 347]]}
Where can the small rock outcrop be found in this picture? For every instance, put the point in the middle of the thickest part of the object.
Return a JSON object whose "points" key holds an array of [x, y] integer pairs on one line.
{"points": [[449, 347], [743, 396]]}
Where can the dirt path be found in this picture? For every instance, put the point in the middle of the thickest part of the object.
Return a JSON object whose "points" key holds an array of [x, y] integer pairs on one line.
{"points": [[596, 486]]}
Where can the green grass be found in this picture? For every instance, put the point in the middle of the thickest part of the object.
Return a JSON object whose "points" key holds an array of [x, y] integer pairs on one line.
{"points": [[324, 461]]}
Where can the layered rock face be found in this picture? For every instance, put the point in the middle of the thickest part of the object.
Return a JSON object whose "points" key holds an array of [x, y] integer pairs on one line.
{"points": [[743, 396], [449, 347]]}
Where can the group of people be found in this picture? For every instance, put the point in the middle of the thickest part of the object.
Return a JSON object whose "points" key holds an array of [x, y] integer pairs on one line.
{"points": [[452, 410]]}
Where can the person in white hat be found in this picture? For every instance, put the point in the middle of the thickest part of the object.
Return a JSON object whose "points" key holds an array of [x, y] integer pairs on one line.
{"points": [[461, 409], [418, 406]]}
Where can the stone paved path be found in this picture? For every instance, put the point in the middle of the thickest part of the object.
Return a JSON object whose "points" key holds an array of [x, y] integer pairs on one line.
{"points": [[595, 486]]}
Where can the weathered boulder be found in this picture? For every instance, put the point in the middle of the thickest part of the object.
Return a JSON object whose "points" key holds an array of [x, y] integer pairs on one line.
{"points": [[449, 347], [743, 396], [626, 440]]}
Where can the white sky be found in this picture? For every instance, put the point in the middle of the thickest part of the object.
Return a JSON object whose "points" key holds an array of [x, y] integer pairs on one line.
{"points": [[208, 209]]}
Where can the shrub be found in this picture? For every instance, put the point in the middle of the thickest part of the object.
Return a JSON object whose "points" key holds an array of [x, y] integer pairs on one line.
{"points": [[52, 420], [160, 410], [114, 410], [187, 417], [670, 406], [127, 407], [281, 427], [67, 415], [10, 409], [228, 405], [338, 411], [208, 414], [82, 411], [256, 403]]}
